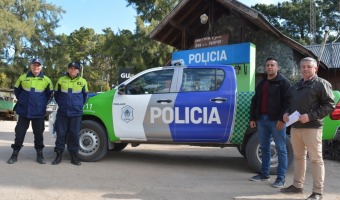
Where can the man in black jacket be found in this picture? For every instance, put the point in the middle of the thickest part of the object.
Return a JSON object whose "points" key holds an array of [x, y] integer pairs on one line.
{"points": [[270, 102], [313, 98]]}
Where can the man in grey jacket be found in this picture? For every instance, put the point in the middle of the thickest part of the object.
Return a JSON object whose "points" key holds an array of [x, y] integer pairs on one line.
{"points": [[313, 98]]}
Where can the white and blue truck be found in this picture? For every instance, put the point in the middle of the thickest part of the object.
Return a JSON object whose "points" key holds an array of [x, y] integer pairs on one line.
{"points": [[205, 101]]}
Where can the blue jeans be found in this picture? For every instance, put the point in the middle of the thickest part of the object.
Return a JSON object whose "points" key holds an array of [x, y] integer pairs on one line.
{"points": [[267, 130]]}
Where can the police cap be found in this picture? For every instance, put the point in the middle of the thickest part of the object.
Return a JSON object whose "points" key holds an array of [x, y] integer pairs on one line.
{"points": [[37, 60], [74, 64]]}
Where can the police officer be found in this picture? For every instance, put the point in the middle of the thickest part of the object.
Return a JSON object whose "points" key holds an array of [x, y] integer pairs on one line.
{"points": [[33, 90], [70, 94]]}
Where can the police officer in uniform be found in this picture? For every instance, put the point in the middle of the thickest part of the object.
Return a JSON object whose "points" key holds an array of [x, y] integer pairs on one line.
{"points": [[70, 94], [33, 90]]}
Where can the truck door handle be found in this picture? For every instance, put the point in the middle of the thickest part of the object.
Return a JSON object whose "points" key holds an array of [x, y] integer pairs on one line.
{"points": [[218, 100], [164, 101]]}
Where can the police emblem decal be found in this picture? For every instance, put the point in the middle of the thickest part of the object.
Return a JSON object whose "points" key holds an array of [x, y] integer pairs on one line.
{"points": [[127, 114]]}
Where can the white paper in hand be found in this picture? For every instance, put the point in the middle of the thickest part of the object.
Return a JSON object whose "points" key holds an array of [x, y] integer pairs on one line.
{"points": [[294, 117]]}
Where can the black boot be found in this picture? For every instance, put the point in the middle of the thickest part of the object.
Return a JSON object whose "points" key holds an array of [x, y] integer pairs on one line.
{"points": [[75, 159], [14, 157], [57, 160], [40, 157]]}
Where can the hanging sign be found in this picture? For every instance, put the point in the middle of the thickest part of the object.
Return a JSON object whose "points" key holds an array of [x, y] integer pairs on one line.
{"points": [[211, 41]]}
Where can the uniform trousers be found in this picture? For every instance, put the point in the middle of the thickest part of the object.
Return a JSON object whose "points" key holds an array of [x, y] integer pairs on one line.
{"points": [[38, 126], [67, 129]]}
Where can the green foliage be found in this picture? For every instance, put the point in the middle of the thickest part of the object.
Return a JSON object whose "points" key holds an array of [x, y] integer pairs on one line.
{"points": [[81, 43], [151, 53], [27, 31], [149, 10], [11, 75], [3, 80], [26, 28], [292, 18], [56, 58]]}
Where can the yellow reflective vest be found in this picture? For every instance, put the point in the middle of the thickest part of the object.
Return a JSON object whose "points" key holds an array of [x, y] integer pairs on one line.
{"points": [[71, 94], [32, 93]]}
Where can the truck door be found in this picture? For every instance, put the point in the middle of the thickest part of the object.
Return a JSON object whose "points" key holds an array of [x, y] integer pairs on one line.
{"points": [[131, 111], [205, 105]]}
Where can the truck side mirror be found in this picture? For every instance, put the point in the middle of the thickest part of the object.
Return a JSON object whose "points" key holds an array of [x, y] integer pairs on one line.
{"points": [[121, 89]]}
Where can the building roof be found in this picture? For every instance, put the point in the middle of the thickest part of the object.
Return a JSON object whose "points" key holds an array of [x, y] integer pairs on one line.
{"points": [[182, 25], [330, 56]]}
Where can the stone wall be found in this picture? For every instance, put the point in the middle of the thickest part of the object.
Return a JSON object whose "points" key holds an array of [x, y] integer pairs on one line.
{"points": [[241, 31]]}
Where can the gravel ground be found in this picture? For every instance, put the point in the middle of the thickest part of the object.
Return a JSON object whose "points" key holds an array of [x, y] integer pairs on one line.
{"points": [[145, 172]]}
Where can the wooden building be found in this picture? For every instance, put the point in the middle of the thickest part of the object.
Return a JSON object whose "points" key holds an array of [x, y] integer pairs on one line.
{"points": [[241, 24]]}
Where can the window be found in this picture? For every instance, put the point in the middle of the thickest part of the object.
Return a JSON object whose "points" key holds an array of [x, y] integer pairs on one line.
{"points": [[155, 82], [200, 79]]}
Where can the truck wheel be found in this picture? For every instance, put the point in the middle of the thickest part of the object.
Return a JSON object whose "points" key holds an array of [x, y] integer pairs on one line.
{"points": [[93, 141], [119, 146], [253, 152]]}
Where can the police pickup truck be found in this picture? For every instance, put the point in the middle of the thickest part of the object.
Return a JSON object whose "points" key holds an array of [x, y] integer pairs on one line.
{"points": [[192, 105]]}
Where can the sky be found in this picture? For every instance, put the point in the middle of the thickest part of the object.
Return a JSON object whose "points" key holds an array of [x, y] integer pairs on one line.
{"points": [[101, 14]]}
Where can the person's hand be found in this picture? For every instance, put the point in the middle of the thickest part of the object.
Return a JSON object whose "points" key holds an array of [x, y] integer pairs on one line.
{"points": [[280, 125], [286, 117], [252, 124], [304, 118]]}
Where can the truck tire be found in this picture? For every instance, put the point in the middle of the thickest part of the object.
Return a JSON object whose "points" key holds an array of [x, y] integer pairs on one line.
{"points": [[119, 146], [253, 153], [92, 141]]}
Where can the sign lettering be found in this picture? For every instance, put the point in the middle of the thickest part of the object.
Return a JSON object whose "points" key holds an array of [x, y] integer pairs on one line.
{"points": [[195, 115]]}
